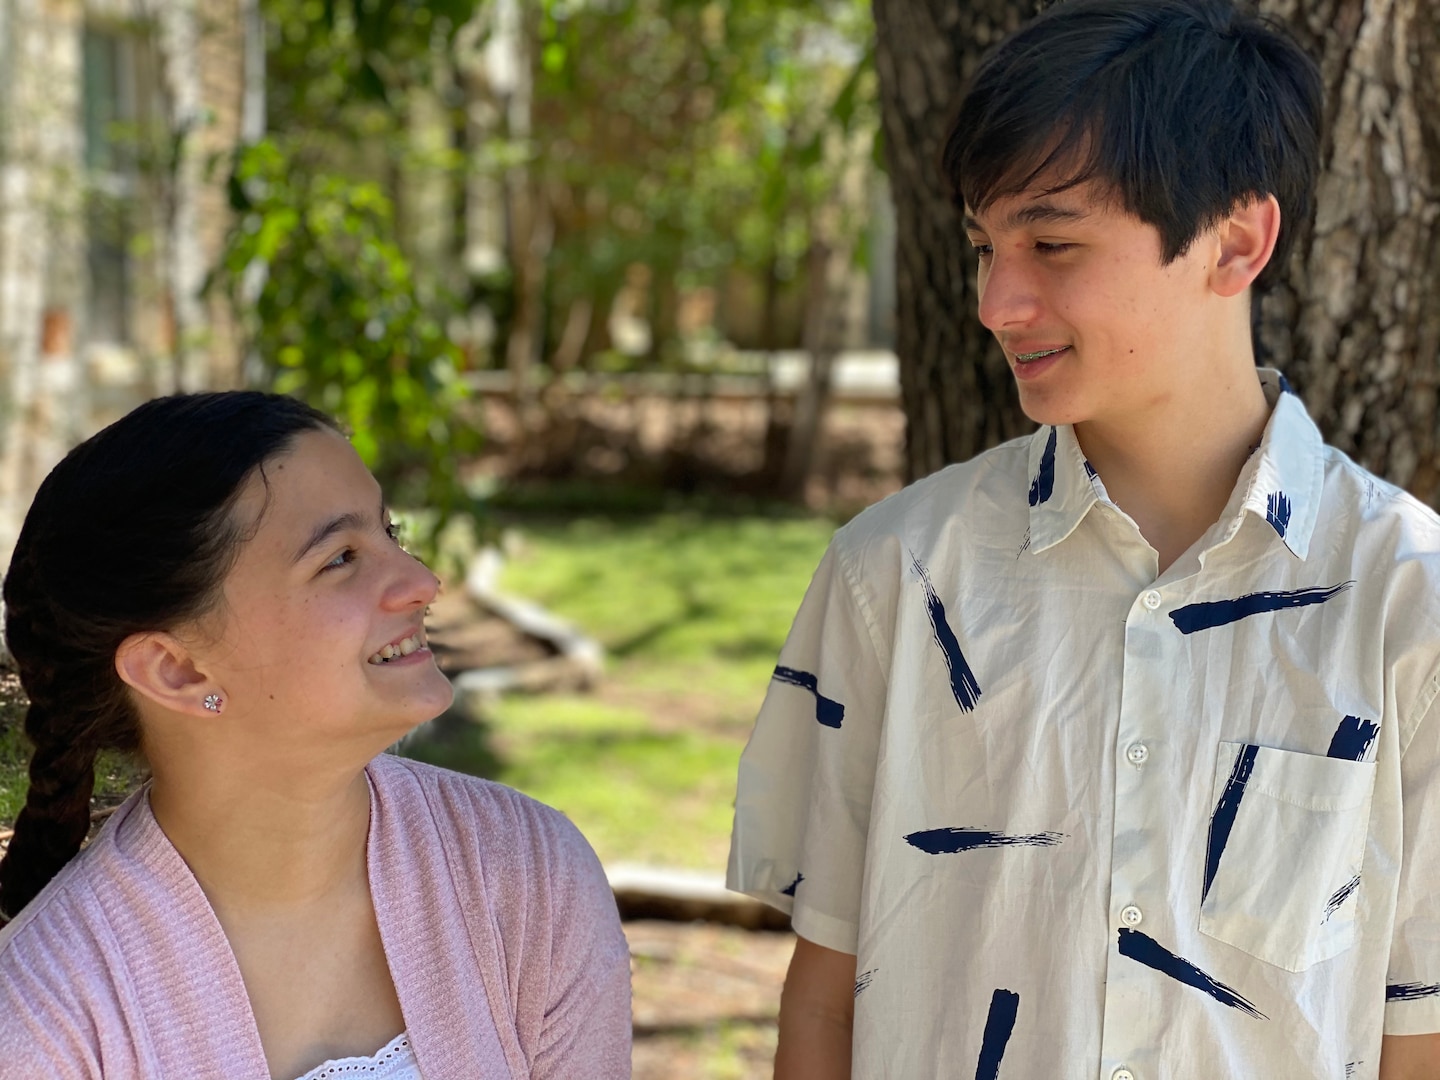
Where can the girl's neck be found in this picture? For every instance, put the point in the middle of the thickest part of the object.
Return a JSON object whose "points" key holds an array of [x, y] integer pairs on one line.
{"points": [[261, 848]]}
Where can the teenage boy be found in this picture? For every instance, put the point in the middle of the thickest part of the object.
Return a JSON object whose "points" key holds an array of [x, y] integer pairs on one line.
{"points": [[1113, 752]]}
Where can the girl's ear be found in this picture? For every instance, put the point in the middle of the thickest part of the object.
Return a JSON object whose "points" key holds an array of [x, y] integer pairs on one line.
{"points": [[1247, 240], [158, 666]]}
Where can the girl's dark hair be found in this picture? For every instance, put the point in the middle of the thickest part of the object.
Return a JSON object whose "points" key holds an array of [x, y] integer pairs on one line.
{"points": [[131, 532], [1182, 109]]}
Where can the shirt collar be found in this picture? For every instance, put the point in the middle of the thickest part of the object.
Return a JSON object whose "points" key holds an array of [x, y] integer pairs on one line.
{"points": [[1063, 486], [1281, 481], [1285, 485]]}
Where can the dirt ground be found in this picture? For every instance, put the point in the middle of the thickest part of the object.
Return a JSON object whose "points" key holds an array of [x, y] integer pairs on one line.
{"points": [[680, 444], [706, 1000]]}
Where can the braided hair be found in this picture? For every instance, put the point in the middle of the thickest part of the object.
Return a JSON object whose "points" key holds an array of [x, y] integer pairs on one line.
{"points": [[131, 532]]}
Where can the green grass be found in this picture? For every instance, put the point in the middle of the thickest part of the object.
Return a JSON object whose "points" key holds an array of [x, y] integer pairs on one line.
{"points": [[115, 775], [692, 610]]}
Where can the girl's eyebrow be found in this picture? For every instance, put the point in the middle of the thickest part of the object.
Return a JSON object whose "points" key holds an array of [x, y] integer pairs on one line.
{"points": [[340, 523]]}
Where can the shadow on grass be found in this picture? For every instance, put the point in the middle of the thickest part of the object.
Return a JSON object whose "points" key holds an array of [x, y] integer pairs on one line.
{"points": [[455, 740]]}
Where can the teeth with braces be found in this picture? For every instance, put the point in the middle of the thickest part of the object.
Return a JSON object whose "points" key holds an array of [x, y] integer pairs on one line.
{"points": [[1028, 356], [405, 647]]}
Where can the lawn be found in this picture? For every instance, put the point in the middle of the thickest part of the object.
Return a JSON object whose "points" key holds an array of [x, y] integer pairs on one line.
{"points": [[692, 610]]}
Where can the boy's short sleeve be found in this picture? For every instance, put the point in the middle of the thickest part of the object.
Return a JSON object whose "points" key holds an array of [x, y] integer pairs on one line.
{"points": [[1412, 990], [802, 809]]}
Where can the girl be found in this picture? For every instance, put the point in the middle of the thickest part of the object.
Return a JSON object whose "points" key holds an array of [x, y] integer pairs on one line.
{"points": [[214, 581]]}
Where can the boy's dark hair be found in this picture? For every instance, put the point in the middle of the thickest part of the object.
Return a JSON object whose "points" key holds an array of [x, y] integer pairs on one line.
{"points": [[1184, 109], [132, 531]]}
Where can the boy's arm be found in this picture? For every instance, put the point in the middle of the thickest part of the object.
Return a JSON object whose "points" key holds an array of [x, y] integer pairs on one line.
{"points": [[1402, 1057], [817, 1015]]}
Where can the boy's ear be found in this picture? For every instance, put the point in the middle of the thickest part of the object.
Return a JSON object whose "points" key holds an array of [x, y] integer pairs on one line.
{"points": [[159, 667], [1247, 240]]}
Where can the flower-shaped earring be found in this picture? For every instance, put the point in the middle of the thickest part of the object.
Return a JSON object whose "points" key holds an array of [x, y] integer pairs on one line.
{"points": [[214, 702]]}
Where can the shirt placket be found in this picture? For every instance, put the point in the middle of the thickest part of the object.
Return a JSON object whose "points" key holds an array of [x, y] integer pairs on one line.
{"points": [[1130, 1041]]}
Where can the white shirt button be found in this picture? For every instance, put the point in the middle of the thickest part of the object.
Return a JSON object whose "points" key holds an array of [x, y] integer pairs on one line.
{"points": [[1151, 599], [1131, 915], [1122, 1073], [1137, 753]]}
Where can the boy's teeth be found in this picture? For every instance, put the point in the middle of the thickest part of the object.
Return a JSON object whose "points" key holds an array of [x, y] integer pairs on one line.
{"points": [[1025, 356]]}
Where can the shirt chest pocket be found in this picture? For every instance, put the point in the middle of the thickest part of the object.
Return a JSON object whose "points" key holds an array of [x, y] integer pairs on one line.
{"points": [[1284, 853]]}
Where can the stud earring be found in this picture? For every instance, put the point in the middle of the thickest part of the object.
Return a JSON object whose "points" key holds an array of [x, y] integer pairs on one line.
{"points": [[214, 702]]}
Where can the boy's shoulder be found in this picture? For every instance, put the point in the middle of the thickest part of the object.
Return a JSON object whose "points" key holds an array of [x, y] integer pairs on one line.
{"points": [[987, 495], [1364, 511]]}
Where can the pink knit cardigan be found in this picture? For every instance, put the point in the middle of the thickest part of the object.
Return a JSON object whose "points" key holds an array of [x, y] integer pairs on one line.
{"points": [[498, 926]]}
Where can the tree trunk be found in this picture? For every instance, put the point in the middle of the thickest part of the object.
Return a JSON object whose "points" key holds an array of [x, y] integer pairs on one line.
{"points": [[954, 383], [1352, 324], [1355, 324]]}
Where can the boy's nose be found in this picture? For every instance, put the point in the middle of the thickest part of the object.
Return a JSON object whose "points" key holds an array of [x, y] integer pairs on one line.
{"points": [[1008, 297]]}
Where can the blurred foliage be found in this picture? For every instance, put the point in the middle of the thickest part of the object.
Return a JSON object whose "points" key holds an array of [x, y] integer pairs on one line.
{"points": [[327, 293], [338, 322], [670, 144], [696, 139]]}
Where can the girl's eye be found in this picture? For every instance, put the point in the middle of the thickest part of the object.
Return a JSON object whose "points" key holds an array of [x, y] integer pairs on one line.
{"points": [[344, 558], [396, 532]]}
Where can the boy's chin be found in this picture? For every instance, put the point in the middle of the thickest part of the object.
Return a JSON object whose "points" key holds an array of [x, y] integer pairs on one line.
{"points": [[1044, 409]]}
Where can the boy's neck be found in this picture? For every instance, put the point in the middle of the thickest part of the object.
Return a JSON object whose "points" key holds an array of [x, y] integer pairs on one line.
{"points": [[1173, 468]]}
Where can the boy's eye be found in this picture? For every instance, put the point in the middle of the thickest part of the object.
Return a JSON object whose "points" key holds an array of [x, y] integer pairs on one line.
{"points": [[1051, 248], [982, 250], [395, 531]]}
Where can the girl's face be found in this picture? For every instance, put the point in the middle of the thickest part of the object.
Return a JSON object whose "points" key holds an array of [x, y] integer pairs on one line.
{"points": [[318, 596]]}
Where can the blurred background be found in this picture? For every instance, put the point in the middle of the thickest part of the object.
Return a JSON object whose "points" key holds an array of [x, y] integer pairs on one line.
{"points": [[627, 303]]}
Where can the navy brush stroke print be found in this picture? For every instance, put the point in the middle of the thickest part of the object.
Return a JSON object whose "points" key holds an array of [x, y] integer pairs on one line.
{"points": [[1223, 820], [962, 679], [1004, 1006], [789, 890], [1207, 616], [1341, 895], [952, 840], [1352, 739], [1146, 950], [862, 982], [1043, 486], [827, 712], [1277, 512], [1411, 991]]}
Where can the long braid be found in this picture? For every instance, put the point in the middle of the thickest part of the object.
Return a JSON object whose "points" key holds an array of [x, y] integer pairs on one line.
{"points": [[76, 709], [56, 817]]}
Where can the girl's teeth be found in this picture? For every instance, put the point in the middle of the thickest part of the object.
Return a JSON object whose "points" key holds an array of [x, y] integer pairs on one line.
{"points": [[405, 648]]}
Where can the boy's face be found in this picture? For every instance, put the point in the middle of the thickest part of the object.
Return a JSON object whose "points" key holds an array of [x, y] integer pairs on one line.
{"points": [[1094, 327]]}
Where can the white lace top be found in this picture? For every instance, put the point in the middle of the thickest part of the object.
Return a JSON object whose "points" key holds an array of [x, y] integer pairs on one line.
{"points": [[393, 1061]]}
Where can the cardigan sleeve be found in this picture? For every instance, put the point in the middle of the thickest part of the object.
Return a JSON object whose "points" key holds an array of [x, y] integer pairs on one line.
{"points": [[53, 1012]]}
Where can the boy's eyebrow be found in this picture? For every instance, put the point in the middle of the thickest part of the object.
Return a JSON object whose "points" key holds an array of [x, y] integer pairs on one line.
{"points": [[340, 523], [1038, 213]]}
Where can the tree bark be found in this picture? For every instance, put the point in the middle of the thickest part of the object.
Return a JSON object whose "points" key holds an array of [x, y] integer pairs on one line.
{"points": [[954, 383], [1352, 323], [1355, 324]]}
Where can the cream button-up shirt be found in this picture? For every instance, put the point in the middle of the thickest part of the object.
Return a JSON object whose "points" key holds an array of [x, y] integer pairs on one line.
{"points": [[1076, 818]]}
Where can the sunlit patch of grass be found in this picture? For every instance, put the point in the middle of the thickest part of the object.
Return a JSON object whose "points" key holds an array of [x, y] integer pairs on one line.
{"points": [[692, 610]]}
